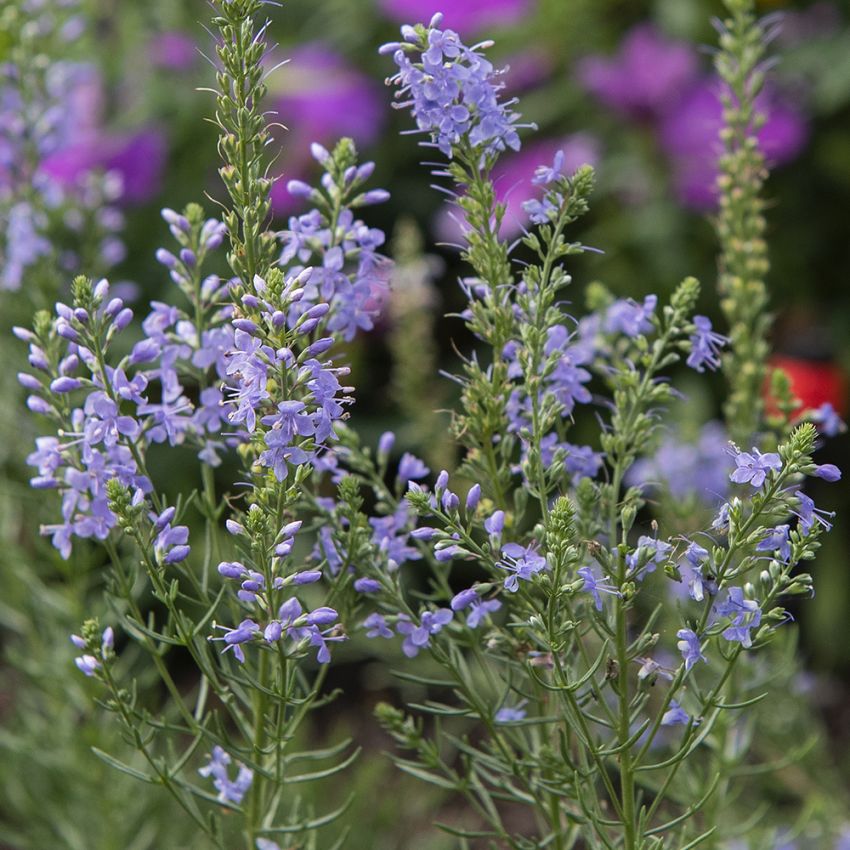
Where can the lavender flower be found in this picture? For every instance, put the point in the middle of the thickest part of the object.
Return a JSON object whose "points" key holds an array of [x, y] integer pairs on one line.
{"points": [[689, 646], [596, 586], [828, 421], [234, 638], [218, 767], [745, 614], [649, 554], [828, 472], [376, 626], [698, 557], [630, 318], [511, 713], [451, 90], [752, 468], [777, 540], [419, 637], [675, 715], [410, 468], [809, 514], [705, 346], [523, 562], [513, 182]]}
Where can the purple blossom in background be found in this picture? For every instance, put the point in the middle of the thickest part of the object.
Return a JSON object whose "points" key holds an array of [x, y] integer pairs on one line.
{"points": [[481, 610], [410, 468], [173, 50], [24, 244], [628, 317], [462, 15], [688, 468], [390, 534], [138, 159], [752, 467], [321, 98], [526, 70], [828, 421], [689, 135], [511, 713], [645, 78], [675, 715], [218, 767]]}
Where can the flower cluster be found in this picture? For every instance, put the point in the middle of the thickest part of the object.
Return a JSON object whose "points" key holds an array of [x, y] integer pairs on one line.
{"points": [[452, 90], [218, 767], [349, 275]]}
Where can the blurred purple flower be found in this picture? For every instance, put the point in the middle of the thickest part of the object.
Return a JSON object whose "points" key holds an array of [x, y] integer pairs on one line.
{"points": [[689, 137], [513, 181], [138, 158], [173, 50], [321, 98], [525, 70], [462, 15], [645, 77]]}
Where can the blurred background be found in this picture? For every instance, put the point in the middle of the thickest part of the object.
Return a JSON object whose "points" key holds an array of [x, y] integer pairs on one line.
{"points": [[625, 85]]}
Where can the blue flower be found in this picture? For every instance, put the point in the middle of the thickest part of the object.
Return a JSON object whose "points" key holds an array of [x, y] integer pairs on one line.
{"points": [[745, 614], [697, 557], [511, 714], [777, 540], [234, 638], [828, 471], [649, 554], [689, 646], [753, 467], [480, 611], [828, 421], [705, 345], [630, 318], [419, 637], [410, 468], [218, 767], [675, 715], [523, 562], [451, 92], [809, 514], [595, 586], [376, 626]]}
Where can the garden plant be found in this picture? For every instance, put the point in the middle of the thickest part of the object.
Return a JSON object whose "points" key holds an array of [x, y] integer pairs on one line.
{"points": [[589, 661]]}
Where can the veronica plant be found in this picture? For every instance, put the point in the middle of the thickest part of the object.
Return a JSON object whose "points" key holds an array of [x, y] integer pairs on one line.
{"points": [[567, 688], [236, 370]]}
